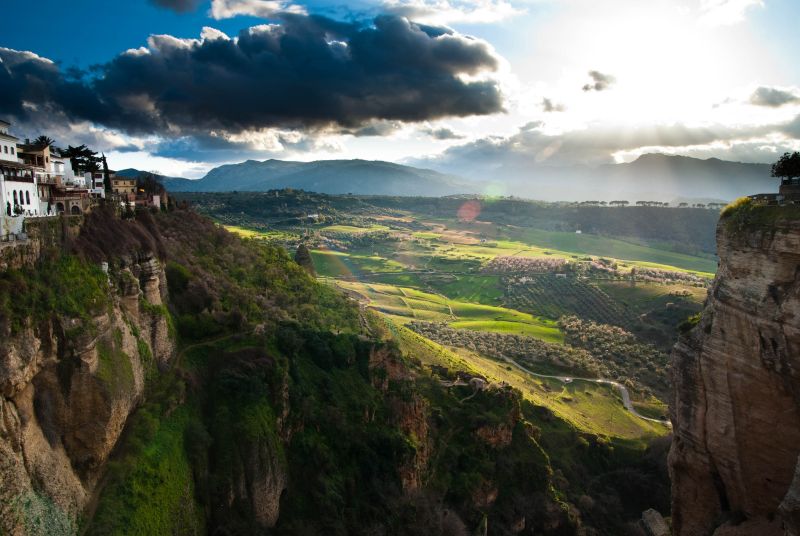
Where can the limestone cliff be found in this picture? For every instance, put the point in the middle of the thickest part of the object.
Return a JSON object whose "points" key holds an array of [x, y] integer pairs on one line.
{"points": [[736, 385], [67, 387]]}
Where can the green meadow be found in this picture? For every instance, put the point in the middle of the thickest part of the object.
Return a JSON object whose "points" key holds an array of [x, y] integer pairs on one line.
{"points": [[407, 304]]}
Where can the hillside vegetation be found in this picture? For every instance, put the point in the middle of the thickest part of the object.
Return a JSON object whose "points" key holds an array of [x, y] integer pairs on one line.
{"points": [[289, 408]]}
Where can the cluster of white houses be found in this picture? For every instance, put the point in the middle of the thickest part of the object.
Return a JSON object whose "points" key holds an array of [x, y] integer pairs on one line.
{"points": [[36, 181]]}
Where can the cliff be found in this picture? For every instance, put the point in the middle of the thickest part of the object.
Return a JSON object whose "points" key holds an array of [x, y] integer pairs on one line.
{"points": [[78, 346], [736, 385]]}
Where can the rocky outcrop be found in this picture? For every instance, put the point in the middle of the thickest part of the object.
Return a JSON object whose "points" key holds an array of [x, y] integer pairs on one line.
{"points": [[409, 413], [67, 388], [736, 387]]}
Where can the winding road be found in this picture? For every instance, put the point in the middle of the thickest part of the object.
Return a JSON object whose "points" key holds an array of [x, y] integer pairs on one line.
{"points": [[626, 397]]}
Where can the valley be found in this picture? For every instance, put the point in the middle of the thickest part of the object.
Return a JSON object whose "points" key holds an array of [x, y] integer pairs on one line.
{"points": [[506, 300]]}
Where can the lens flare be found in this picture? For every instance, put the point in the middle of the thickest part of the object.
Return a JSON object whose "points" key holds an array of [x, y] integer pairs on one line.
{"points": [[469, 210]]}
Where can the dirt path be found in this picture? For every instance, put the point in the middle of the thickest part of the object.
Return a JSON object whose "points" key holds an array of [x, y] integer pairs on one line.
{"points": [[626, 397]]}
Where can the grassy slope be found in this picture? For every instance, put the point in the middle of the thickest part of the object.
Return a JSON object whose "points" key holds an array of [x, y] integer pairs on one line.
{"points": [[339, 264], [415, 304], [588, 407]]}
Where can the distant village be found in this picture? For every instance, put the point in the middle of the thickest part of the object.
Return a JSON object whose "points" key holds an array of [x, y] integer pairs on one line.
{"points": [[42, 180]]}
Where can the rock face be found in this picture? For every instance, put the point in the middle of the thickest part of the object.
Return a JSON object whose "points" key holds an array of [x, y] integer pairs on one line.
{"points": [[67, 387], [736, 389]]}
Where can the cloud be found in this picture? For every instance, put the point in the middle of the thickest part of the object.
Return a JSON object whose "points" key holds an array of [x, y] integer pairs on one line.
{"points": [[305, 73], [532, 145], [442, 133], [773, 97], [550, 106], [257, 145], [226, 9], [179, 6], [452, 11], [725, 12], [600, 81], [378, 128]]}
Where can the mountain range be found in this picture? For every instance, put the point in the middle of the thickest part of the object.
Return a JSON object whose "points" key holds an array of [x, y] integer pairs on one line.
{"points": [[323, 176], [650, 177]]}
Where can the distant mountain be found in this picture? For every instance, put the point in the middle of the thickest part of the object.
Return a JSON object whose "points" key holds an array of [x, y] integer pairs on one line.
{"points": [[172, 184], [692, 177], [655, 177], [652, 177], [328, 176]]}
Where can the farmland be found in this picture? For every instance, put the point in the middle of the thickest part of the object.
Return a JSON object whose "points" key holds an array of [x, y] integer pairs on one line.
{"points": [[553, 297], [480, 291], [407, 304]]}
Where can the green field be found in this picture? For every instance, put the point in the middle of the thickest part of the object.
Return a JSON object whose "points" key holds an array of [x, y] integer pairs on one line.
{"points": [[588, 244], [341, 264], [408, 304], [486, 289], [352, 229], [267, 235]]}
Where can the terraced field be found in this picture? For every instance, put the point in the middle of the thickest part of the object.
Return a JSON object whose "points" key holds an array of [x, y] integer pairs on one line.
{"points": [[407, 304]]}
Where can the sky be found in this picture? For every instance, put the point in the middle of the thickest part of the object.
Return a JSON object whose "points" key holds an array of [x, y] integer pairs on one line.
{"points": [[182, 86]]}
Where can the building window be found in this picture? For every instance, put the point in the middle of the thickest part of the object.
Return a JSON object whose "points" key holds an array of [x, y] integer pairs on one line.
{"points": [[15, 198], [12, 150], [27, 198], [5, 149]]}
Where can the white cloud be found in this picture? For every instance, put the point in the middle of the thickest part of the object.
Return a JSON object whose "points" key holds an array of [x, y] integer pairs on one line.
{"points": [[452, 11], [725, 12], [226, 9], [170, 167]]}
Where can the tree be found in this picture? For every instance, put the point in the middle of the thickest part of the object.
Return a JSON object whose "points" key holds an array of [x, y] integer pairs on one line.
{"points": [[787, 167], [44, 141], [82, 158], [106, 176], [303, 258]]}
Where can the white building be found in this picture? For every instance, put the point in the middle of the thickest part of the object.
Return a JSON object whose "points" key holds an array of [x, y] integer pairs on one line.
{"points": [[8, 143], [19, 195], [95, 184]]}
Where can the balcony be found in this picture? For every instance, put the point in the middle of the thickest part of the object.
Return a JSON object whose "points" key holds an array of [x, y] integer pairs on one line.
{"points": [[17, 178]]}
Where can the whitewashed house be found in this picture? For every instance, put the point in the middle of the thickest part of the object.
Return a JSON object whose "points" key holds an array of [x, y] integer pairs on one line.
{"points": [[19, 195]]}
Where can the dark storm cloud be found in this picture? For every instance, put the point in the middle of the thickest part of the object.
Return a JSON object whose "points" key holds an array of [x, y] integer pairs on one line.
{"points": [[179, 6], [772, 97], [308, 72], [600, 81]]}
